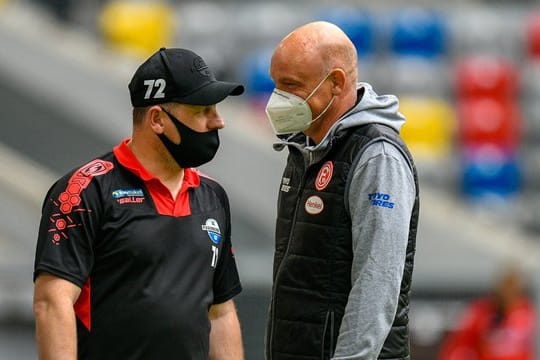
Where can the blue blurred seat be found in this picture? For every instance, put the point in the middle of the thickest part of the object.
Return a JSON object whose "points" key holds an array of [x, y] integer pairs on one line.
{"points": [[254, 74], [359, 25], [488, 173], [418, 32], [254, 71]]}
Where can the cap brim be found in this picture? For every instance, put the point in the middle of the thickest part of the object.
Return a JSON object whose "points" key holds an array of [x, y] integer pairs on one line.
{"points": [[212, 93]]}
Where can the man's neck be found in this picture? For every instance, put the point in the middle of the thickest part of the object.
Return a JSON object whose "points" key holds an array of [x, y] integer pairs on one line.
{"points": [[162, 167]]}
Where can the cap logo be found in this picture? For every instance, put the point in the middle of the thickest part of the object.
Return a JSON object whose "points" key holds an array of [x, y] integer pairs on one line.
{"points": [[200, 66]]}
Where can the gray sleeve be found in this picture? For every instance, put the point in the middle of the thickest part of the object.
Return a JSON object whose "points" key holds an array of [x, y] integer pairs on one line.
{"points": [[381, 199]]}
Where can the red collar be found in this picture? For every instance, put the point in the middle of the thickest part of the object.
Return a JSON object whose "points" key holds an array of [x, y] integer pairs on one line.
{"points": [[127, 159]]}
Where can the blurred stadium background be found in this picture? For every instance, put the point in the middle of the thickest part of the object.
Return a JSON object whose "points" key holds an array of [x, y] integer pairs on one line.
{"points": [[467, 74]]}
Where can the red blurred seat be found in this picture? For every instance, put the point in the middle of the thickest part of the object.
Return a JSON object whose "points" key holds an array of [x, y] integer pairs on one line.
{"points": [[533, 35], [487, 121], [483, 76]]}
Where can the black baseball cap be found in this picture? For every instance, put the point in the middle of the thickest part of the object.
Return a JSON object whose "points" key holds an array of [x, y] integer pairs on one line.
{"points": [[178, 75]]}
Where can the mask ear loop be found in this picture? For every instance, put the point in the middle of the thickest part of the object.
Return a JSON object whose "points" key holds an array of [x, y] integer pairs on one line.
{"points": [[319, 116], [318, 86], [327, 106], [324, 111]]}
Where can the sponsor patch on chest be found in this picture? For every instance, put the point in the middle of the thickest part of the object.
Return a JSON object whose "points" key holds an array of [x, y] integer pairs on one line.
{"points": [[128, 196], [314, 205]]}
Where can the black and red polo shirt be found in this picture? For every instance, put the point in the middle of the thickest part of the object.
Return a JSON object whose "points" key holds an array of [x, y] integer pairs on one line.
{"points": [[149, 265]]}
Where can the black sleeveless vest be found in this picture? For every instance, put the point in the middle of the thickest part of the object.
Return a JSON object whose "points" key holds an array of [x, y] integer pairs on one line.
{"points": [[313, 255]]}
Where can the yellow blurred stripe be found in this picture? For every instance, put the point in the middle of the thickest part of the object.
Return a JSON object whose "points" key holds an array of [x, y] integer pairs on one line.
{"points": [[430, 126], [135, 27]]}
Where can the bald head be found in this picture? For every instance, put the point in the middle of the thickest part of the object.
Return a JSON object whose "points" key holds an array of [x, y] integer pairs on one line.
{"points": [[321, 46], [317, 62]]}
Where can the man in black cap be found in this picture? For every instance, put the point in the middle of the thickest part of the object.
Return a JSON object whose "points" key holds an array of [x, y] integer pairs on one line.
{"points": [[134, 257]]}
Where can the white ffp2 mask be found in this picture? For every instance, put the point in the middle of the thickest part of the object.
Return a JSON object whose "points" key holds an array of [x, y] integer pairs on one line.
{"points": [[289, 113]]}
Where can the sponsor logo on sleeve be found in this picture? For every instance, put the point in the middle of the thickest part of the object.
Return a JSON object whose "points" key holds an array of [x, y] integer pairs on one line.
{"points": [[381, 200]]}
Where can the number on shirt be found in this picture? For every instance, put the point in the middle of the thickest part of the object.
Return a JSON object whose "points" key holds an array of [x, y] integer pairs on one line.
{"points": [[215, 252]]}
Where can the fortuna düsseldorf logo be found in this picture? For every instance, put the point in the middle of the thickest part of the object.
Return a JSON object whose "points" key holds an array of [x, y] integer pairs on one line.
{"points": [[324, 176]]}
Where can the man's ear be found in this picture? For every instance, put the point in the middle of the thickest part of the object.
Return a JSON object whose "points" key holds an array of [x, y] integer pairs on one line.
{"points": [[155, 118], [338, 78]]}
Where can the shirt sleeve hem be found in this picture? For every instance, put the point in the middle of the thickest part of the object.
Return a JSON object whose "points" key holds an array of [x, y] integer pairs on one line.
{"points": [[219, 299], [60, 274]]}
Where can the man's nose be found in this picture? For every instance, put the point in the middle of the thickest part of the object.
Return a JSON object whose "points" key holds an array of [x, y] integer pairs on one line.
{"points": [[215, 121]]}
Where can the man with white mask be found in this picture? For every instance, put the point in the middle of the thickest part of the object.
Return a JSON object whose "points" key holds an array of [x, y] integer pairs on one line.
{"points": [[347, 210], [289, 113]]}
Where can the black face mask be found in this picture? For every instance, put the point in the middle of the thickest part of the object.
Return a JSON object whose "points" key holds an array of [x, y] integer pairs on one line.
{"points": [[195, 148]]}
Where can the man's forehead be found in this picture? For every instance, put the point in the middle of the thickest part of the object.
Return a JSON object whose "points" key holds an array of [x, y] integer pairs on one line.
{"points": [[291, 72], [295, 67]]}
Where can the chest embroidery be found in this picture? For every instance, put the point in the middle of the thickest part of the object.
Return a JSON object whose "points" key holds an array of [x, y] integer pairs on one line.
{"points": [[324, 176], [211, 227]]}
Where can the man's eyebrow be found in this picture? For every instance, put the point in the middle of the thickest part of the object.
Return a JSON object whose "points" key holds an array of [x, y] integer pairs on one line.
{"points": [[290, 79]]}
